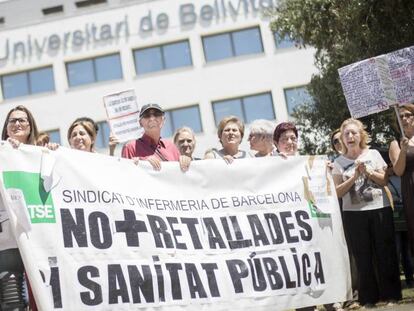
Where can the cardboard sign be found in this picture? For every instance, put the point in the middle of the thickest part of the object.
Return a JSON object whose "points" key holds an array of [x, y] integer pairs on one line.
{"points": [[372, 85], [123, 115]]}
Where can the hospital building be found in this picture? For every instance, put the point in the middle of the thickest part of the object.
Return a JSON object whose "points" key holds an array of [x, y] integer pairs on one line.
{"points": [[200, 60]]}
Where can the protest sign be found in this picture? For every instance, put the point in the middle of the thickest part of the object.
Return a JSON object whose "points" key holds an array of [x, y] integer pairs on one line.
{"points": [[374, 84], [263, 234], [123, 115]]}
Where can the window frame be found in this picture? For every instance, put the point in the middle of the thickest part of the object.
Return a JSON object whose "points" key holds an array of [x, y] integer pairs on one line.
{"points": [[302, 86], [27, 81], [233, 49], [101, 134], [278, 48], [243, 109], [54, 130], [171, 120], [94, 71], [161, 47]]}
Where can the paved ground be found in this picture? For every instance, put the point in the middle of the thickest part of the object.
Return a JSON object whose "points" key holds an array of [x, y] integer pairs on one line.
{"points": [[403, 307], [397, 307], [406, 304]]}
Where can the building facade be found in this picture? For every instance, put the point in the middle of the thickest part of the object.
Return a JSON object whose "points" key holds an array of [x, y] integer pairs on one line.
{"points": [[199, 59]]}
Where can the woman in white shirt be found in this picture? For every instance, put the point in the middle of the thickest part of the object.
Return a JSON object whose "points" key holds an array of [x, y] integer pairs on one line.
{"points": [[359, 176]]}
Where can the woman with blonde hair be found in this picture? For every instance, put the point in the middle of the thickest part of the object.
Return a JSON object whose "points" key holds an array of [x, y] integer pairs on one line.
{"points": [[43, 139], [230, 132], [359, 176], [82, 135]]}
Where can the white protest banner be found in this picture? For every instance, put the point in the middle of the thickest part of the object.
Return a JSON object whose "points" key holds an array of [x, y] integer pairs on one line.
{"points": [[262, 234], [372, 85], [123, 115]]}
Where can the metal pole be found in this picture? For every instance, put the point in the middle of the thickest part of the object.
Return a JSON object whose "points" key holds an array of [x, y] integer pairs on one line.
{"points": [[399, 120]]}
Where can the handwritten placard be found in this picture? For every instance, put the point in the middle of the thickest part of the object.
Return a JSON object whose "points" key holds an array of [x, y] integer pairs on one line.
{"points": [[123, 115], [372, 85]]}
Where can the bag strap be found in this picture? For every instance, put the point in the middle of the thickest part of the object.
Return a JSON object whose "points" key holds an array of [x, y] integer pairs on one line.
{"points": [[154, 150], [389, 196]]}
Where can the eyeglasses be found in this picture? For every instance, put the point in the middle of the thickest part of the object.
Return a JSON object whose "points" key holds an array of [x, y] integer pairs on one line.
{"points": [[22, 121], [336, 141], [406, 115], [293, 139], [155, 114]]}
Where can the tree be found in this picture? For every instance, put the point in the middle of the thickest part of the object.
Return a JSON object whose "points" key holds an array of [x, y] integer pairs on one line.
{"points": [[342, 32]]}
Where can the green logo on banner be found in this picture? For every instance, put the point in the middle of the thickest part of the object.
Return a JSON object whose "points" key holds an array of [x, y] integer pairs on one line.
{"points": [[315, 213], [39, 202]]}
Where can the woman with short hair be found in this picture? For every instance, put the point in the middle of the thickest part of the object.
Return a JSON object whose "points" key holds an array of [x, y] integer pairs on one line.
{"points": [[359, 176], [285, 138], [261, 137], [230, 132], [185, 141]]}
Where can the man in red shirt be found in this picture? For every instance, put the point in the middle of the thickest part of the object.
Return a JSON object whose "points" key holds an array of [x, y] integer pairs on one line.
{"points": [[151, 147]]}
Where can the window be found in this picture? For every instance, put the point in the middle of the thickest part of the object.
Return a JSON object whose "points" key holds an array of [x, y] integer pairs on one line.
{"points": [[232, 44], [28, 82], [176, 118], [296, 96], [54, 136], [247, 108], [102, 137], [283, 43], [163, 57], [97, 69]]}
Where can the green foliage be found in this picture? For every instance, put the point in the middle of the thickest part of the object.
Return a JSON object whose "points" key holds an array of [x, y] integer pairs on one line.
{"points": [[342, 32]]}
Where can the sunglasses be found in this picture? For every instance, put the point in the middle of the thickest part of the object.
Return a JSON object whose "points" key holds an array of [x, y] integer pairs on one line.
{"points": [[406, 115], [155, 114]]}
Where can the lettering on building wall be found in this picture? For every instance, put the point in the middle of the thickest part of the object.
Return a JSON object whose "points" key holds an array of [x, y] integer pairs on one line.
{"points": [[91, 33]]}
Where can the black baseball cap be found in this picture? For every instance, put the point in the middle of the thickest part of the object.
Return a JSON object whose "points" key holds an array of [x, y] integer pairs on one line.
{"points": [[150, 106]]}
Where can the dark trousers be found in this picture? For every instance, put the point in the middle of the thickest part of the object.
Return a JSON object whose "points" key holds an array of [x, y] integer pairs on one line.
{"points": [[10, 260], [404, 254], [371, 237], [12, 295]]}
